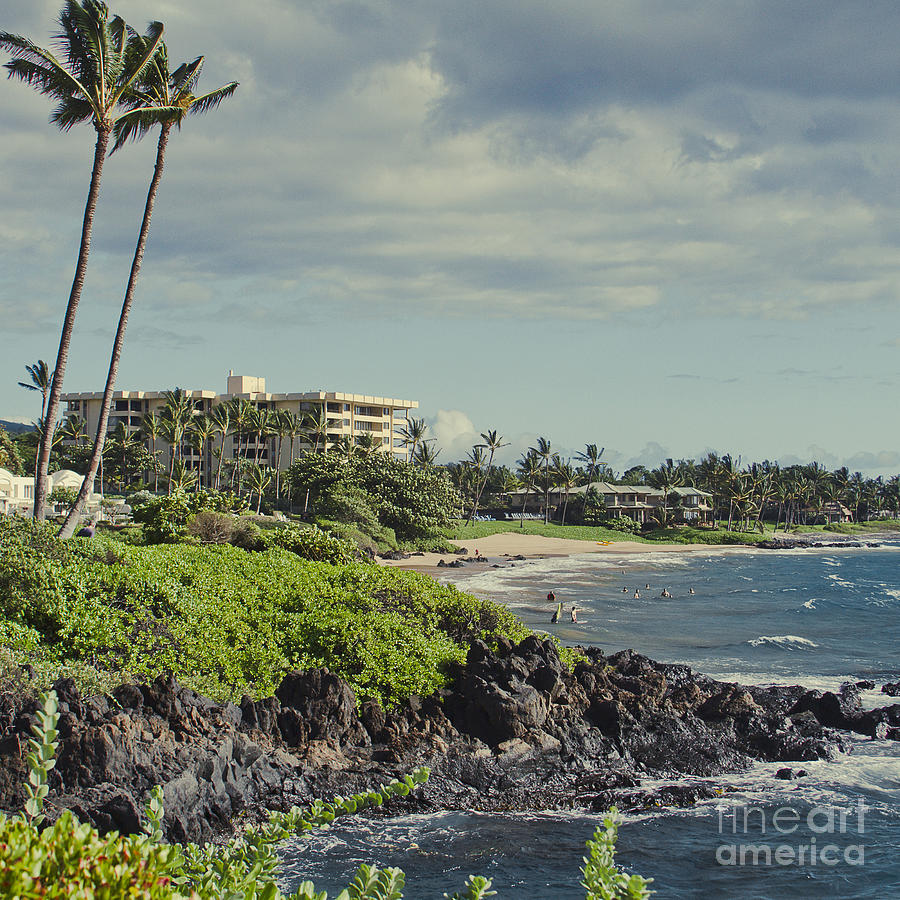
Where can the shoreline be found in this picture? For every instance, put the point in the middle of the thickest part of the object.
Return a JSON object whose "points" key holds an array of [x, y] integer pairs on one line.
{"points": [[507, 547]]}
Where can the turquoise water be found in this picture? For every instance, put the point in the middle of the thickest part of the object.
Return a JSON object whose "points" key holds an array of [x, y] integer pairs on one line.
{"points": [[812, 617]]}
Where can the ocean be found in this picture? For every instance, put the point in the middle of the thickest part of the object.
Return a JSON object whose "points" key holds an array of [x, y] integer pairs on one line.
{"points": [[813, 617]]}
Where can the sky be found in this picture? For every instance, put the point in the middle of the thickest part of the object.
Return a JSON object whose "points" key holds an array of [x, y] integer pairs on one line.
{"points": [[661, 226]]}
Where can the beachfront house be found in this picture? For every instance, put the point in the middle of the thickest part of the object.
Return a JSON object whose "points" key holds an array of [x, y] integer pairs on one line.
{"points": [[17, 491], [349, 416], [687, 505]]}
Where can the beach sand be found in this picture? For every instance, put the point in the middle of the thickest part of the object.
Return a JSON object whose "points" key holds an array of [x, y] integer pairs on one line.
{"points": [[533, 546]]}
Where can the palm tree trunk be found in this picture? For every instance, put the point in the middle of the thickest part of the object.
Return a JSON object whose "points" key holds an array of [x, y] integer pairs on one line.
{"points": [[524, 504], [74, 515], [62, 355], [221, 460]]}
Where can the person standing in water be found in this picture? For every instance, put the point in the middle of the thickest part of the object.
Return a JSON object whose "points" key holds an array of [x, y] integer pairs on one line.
{"points": [[556, 615], [574, 614], [551, 597]]}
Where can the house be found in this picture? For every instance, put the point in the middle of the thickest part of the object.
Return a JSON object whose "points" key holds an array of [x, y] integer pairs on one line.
{"points": [[349, 416], [637, 501], [17, 491]]}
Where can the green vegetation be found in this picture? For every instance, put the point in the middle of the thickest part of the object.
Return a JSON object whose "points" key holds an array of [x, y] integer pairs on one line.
{"points": [[462, 532], [227, 621], [72, 860]]}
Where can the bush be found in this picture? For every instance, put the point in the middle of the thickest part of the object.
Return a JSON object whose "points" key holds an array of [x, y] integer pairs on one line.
{"points": [[227, 622], [314, 544], [211, 527]]}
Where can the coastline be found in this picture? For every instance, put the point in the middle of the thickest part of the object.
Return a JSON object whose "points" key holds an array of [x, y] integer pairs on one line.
{"points": [[505, 547]]}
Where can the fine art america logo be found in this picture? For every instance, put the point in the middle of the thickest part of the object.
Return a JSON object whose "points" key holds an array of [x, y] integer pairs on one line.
{"points": [[778, 843]]}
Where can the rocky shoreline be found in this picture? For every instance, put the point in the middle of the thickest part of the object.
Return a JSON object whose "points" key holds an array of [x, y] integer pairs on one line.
{"points": [[514, 730]]}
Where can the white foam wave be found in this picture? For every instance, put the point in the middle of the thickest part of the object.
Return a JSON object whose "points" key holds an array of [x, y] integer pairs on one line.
{"points": [[811, 603], [788, 641]]}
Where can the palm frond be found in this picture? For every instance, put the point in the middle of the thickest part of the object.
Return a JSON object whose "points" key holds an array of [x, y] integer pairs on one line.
{"points": [[184, 79], [38, 67], [71, 111], [153, 38], [213, 99], [134, 125]]}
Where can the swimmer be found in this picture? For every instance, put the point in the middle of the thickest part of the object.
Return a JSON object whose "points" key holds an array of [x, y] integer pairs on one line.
{"points": [[624, 590], [637, 595], [647, 587], [551, 597], [574, 614], [690, 590], [556, 615]]}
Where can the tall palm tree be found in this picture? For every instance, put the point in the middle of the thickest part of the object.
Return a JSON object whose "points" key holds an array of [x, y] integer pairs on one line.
{"points": [[566, 478], [529, 468], [544, 452], [151, 429], [73, 429], [175, 416], [202, 432], [87, 86], [158, 98], [221, 419], [40, 377], [412, 434], [259, 478], [665, 477], [315, 424], [591, 459], [492, 442]]}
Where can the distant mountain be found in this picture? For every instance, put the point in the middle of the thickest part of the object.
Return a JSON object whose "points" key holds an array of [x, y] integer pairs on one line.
{"points": [[15, 427]]}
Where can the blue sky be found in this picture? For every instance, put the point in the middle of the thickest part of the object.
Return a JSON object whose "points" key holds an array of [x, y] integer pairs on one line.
{"points": [[663, 227]]}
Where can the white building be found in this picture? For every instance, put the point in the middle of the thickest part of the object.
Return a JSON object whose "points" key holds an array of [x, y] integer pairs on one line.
{"points": [[17, 491]]}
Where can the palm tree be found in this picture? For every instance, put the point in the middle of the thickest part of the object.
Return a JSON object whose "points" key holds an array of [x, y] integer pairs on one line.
{"points": [[40, 381], [151, 429], [412, 434], [529, 472], [73, 429], [88, 86], [426, 456], [175, 416], [259, 478], [592, 464], [203, 431], [315, 424], [666, 477], [566, 478], [159, 98], [492, 442], [544, 452], [221, 419]]}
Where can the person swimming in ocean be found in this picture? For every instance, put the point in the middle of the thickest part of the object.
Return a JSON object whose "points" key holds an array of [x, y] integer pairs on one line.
{"points": [[690, 590], [624, 590], [551, 597], [574, 614], [637, 595]]}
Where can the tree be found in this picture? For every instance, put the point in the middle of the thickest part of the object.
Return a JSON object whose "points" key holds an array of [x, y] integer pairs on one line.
{"points": [[259, 478], [412, 434], [492, 442], [592, 464], [315, 425], [88, 86], [152, 430], [666, 477], [40, 381], [544, 452], [158, 98], [529, 472], [221, 419], [175, 417], [566, 478]]}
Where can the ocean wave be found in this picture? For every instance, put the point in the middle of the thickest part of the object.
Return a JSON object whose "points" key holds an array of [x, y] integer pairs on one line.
{"points": [[786, 641], [811, 603]]}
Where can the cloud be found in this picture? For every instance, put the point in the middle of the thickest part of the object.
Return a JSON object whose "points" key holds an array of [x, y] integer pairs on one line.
{"points": [[454, 433]]}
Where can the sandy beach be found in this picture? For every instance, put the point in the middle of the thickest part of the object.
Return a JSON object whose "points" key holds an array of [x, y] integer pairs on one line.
{"points": [[532, 546]]}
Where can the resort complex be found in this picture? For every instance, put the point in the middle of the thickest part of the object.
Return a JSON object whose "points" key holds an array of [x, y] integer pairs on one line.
{"points": [[377, 422]]}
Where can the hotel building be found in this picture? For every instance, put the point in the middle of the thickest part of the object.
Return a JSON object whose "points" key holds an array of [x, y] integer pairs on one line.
{"points": [[349, 416]]}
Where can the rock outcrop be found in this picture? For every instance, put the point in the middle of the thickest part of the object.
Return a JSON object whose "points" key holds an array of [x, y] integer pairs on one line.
{"points": [[514, 729]]}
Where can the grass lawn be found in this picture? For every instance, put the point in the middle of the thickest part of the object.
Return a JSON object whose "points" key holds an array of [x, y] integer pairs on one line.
{"points": [[461, 532]]}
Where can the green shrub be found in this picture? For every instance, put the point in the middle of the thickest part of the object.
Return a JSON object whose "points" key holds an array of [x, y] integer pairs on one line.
{"points": [[227, 622], [313, 544]]}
